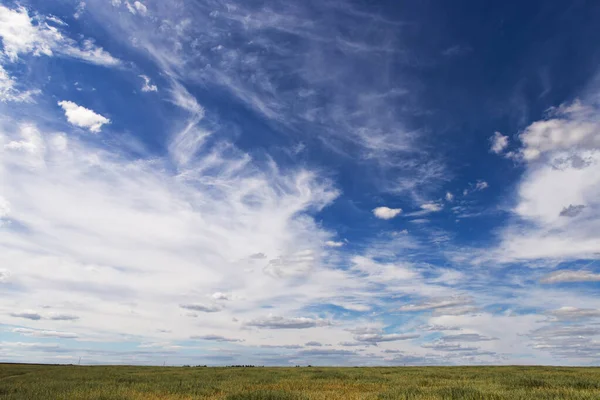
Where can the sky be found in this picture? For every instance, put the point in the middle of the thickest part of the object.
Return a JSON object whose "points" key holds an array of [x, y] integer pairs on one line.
{"points": [[331, 182]]}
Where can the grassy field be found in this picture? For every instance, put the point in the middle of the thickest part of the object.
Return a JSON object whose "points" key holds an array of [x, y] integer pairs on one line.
{"points": [[29, 382]]}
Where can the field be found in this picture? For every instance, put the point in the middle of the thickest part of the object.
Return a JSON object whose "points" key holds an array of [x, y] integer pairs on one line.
{"points": [[30, 382]]}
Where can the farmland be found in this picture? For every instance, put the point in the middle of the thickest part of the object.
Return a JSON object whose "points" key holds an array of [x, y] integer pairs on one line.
{"points": [[27, 382]]}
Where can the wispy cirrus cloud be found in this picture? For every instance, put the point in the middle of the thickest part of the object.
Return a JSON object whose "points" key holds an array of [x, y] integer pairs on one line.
{"points": [[311, 93], [45, 334], [243, 194], [570, 276]]}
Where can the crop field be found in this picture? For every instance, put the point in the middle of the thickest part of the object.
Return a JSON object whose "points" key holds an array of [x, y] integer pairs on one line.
{"points": [[29, 382]]}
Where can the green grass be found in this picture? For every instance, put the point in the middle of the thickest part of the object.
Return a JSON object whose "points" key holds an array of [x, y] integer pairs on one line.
{"points": [[30, 382]]}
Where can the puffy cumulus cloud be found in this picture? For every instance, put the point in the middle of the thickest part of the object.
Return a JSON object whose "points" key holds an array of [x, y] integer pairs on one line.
{"points": [[148, 87], [557, 200], [568, 127], [570, 276], [220, 296], [574, 313], [449, 196], [499, 142], [83, 117], [25, 34], [277, 322], [386, 212]]}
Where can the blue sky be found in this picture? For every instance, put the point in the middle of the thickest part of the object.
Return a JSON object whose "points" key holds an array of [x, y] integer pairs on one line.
{"points": [[281, 183]]}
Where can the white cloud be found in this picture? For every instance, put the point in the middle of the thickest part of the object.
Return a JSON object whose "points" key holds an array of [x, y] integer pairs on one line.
{"points": [[56, 316], [215, 338], [147, 86], [89, 52], [572, 126], [135, 7], [574, 313], [4, 274], [118, 244], [499, 142], [382, 272], [140, 7], [27, 314], [353, 112], [374, 338], [19, 35], [182, 98], [220, 296], [431, 207], [434, 304], [44, 333], [9, 92], [478, 186], [277, 322], [557, 197], [570, 276], [22, 34], [83, 117], [4, 207], [466, 337], [449, 196], [331, 243], [122, 243], [481, 185], [386, 212], [56, 20], [79, 9], [207, 308]]}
